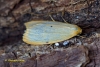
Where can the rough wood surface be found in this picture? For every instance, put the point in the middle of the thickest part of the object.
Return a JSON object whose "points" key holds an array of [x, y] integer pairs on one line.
{"points": [[75, 56]]}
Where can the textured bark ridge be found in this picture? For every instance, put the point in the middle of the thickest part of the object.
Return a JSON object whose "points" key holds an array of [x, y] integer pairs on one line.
{"points": [[7, 6], [93, 45], [75, 56], [48, 6]]}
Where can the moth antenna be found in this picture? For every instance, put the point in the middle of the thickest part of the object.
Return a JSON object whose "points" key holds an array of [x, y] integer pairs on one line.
{"points": [[51, 18], [64, 20], [63, 12]]}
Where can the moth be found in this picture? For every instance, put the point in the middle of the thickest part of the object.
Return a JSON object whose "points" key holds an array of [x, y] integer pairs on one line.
{"points": [[48, 32]]}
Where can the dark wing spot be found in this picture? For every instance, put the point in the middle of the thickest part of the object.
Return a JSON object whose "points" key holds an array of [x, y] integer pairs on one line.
{"points": [[51, 26]]}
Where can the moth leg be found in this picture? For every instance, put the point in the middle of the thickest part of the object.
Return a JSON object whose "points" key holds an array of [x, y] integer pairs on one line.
{"points": [[81, 36], [63, 12], [50, 45]]}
